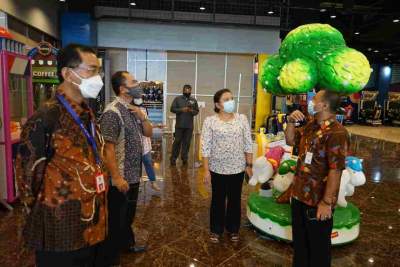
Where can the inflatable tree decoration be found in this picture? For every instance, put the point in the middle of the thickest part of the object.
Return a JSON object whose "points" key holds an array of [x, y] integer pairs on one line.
{"points": [[315, 54]]}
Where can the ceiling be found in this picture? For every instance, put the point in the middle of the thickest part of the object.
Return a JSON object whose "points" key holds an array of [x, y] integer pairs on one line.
{"points": [[367, 25]]}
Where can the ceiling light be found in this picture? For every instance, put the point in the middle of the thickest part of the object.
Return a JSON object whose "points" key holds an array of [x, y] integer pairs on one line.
{"points": [[132, 3], [376, 51], [357, 33], [62, 0], [396, 20], [370, 49], [270, 12], [202, 8], [386, 58], [389, 54], [322, 10], [333, 16]]}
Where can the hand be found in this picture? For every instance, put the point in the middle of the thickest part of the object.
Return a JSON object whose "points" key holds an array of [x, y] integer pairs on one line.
{"points": [[137, 112], [121, 184], [207, 177], [296, 116], [186, 109], [324, 211], [249, 171]]}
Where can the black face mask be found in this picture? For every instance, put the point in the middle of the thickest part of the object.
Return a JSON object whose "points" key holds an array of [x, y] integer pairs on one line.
{"points": [[135, 92], [187, 94]]}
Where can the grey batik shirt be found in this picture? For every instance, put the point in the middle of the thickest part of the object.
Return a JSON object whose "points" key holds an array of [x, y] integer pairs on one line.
{"points": [[119, 126]]}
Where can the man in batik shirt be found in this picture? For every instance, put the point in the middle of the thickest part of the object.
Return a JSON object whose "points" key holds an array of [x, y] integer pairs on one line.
{"points": [[60, 170], [322, 144]]}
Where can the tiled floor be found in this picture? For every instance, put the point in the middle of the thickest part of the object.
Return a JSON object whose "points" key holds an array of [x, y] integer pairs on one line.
{"points": [[174, 224], [387, 133]]}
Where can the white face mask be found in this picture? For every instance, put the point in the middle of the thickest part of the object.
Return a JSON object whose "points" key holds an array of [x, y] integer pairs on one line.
{"points": [[138, 101], [90, 87]]}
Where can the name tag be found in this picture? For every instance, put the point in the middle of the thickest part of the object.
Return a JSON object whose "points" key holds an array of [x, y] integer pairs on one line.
{"points": [[308, 159], [100, 184]]}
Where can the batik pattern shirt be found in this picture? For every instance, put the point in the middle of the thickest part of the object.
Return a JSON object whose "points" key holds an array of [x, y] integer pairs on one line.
{"points": [[121, 127], [328, 142], [56, 172]]}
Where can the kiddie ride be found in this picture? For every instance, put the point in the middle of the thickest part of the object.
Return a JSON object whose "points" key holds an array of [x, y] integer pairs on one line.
{"points": [[311, 55], [269, 209]]}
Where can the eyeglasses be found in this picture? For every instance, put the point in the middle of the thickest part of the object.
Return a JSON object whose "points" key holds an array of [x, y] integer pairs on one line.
{"points": [[92, 70]]}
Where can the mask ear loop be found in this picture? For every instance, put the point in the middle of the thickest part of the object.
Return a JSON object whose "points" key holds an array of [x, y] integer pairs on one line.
{"points": [[77, 75]]}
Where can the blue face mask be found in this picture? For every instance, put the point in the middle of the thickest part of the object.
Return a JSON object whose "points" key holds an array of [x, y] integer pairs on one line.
{"points": [[229, 106], [310, 108]]}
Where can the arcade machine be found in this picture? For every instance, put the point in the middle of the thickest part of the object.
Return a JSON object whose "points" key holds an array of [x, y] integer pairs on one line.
{"points": [[44, 72], [392, 109], [16, 100], [369, 110], [347, 110]]}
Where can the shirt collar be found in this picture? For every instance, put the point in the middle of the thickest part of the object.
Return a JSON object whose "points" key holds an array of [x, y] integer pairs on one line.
{"points": [[79, 108], [325, 123], [123, 101]]}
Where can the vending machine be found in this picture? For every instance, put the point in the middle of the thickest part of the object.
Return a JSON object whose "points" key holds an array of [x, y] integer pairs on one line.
{"points": [[16, 105]]}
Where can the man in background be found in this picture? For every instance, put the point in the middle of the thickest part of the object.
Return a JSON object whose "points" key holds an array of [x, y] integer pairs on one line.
{"points": [[185, 107]]}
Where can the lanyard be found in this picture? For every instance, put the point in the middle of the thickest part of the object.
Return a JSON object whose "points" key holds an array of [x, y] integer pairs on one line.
{"points": [[90, 137]]}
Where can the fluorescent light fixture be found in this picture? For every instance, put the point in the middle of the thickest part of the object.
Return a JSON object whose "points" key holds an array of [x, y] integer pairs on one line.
{"points": [[396, 20], [202, 8], [322, 10], [270, 12], [132, 3]]}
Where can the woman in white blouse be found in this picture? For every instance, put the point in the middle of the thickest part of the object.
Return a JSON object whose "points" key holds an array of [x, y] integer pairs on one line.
{"points": [[227, 155]]}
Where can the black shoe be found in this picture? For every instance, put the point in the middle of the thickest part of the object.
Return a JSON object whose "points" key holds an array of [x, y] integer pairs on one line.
{"points": [[137, 249]]}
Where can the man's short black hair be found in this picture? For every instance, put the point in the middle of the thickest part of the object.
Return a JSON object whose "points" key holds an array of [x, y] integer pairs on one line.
{"points": [[187, 86], [333, 99], [70, 57], [117, 80]]}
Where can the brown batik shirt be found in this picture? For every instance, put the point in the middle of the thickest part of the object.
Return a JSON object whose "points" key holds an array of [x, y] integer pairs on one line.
{"points": [[56, 172], [328, 142]]}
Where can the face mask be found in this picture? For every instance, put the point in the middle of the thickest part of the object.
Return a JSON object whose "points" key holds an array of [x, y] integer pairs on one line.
{"points": [[187, 94], [90, 87], [311, 108], [135, 92], [138, 101], [229, 106]]}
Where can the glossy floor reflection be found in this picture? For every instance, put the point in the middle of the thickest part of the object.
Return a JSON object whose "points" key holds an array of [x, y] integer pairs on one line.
{"points": [[174, 222]]}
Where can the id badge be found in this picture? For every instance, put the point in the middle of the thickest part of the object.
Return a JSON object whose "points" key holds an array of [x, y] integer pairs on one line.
{"points": [[100, 184], [308, 159]]}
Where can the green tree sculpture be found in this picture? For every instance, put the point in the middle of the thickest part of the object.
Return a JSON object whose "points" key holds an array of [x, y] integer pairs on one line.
{"points": [[315, 54]]}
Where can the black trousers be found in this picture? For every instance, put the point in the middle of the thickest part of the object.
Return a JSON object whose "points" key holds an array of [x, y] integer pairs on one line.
{"points": [[121, 213], [311, 238], [85, 257], [225, 209], [183, 137]]}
